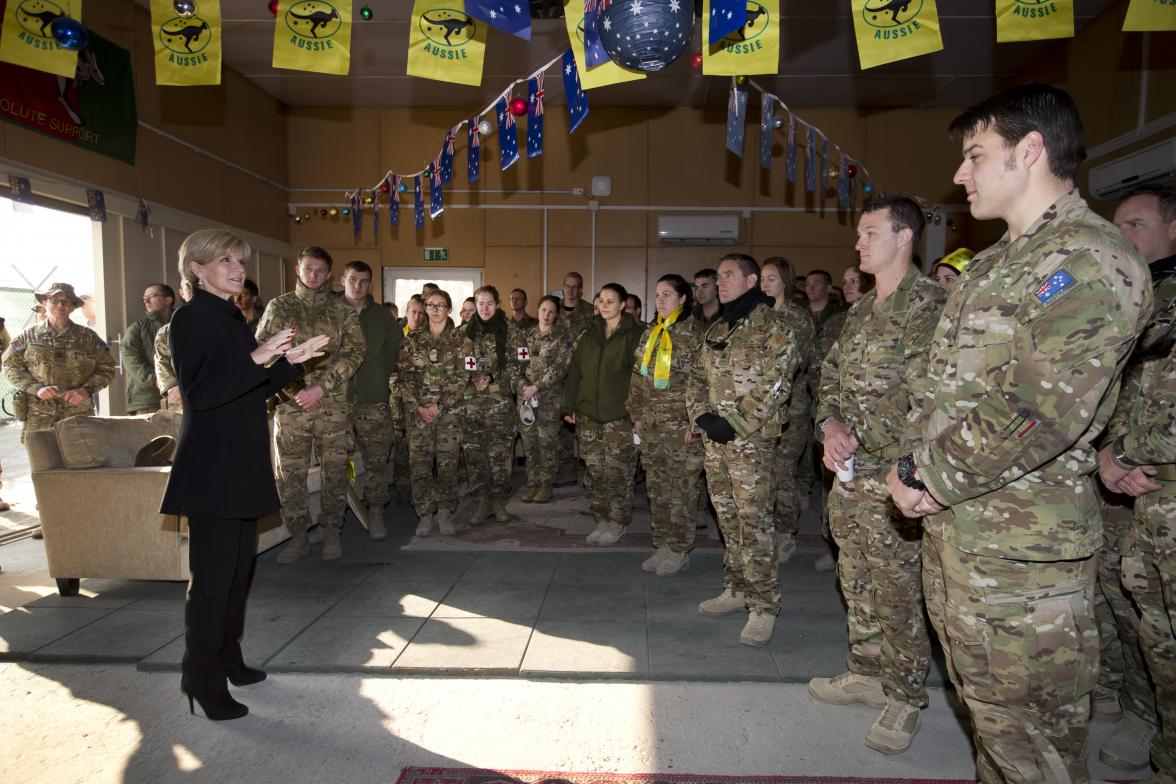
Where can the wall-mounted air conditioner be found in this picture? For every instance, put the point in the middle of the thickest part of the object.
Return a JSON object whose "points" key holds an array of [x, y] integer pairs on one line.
{"points": [[1149, 165], [698, 229]]}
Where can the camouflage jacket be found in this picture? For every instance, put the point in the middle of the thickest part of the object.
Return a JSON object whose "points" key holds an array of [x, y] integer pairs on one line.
{"points": [[874, 376], [165, 372], [541, 360], [744, 373], [75, 358], [665, 408], [828, 327], [318, 313], [484, 350], [578, 319], [432, 369], [1021, 378], [805, 333]]}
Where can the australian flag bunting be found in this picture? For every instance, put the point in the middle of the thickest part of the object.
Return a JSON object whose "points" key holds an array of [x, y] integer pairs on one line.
{"points": [[418, 203], [474, 150], [726, 17], [767, 111], [594, 53], [376, 215], [394, 200], [445, 159], [843, 183], [824, 166], [577, 99], [513, 16], [736, 115], [508, 134], [810, 159], [851, 184], [357, 211], [436, 198], [790, 158], [535, 116]]}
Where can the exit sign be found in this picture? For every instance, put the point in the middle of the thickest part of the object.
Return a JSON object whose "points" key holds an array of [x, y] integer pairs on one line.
{"points": [[436, 254]]}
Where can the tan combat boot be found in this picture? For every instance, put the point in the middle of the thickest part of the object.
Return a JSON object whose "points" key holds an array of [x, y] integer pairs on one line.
{"points": [[332, 547], [1129, 747], [1104, 704], [724, 604], [892, 732], [757, 632], [481, 511], [425, 526], [611, 534], [848, 688], [376, 528], [542, 495], [445, 523], [529, 497], [651, 563], [500, 513], [315, 534], [594, 537], [673, 563], [296, 548]]}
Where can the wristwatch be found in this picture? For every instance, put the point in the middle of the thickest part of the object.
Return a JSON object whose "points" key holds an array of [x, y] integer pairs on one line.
{"points": [[908, 474], [1119, 454]]}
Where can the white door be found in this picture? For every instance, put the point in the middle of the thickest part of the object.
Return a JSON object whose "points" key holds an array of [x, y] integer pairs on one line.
{"points": [[400, 283]]}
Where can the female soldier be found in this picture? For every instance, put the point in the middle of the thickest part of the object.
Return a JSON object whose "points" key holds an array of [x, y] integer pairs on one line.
{"points": [[432, 378], [855, 283], [468, 309], [947, 270], [542, 352], [672, 453], [594, 401], [488, 439]]}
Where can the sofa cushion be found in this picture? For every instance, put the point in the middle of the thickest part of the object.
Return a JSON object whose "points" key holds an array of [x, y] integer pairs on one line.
{"points": [[110, 442]]}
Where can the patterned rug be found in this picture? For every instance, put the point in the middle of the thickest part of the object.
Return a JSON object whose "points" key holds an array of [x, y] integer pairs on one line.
{"points": [[477, 776]]}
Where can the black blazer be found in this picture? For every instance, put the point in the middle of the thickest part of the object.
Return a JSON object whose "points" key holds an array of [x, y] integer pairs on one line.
{"points": [[222, 465]]}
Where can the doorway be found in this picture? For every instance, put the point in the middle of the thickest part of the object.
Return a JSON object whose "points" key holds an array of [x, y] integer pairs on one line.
{"points": [[400, 283]]}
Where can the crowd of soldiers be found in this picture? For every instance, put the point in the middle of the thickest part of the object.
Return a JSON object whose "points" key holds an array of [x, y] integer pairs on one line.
{"points": [[963, 415]]}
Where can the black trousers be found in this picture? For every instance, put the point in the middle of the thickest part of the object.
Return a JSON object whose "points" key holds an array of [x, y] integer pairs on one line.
{"points": [[220, 558]]}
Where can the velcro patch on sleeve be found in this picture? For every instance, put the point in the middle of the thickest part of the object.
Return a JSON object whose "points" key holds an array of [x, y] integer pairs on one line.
{"points": [[1054, 286]]}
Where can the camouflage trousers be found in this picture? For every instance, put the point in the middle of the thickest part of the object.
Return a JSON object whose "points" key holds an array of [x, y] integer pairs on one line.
{"points": [[880, 572], [487, 442], [793, 442], [401, 474], [44, 414], [373, 431], [433, 451], [673, 469], [541, 443], [739, 476], [1021, 645], [1123, 670], [1149, 572], [610, 458], [327, 432]]}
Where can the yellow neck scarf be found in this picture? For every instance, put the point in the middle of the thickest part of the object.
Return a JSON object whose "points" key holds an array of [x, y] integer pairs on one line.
{"points": [[661, 372]]}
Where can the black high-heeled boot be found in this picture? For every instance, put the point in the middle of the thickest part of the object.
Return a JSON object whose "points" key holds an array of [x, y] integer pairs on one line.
{"points": [[219, 706], [244, 675]]}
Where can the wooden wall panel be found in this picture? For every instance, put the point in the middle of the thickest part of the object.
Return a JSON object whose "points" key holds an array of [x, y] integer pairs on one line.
{"points": [[522, 267]]}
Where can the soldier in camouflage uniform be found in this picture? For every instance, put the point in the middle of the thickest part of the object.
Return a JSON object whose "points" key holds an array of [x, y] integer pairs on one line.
{"points": [[165, 372], [779, 283], [431, 377], [1147, 217], [575, 313], [314, 413], [737, 396], [542, 353], [138, 349], [1021, 379], [490, 413], [59, 365], [414, 318], [671, 450], [871, 380]]}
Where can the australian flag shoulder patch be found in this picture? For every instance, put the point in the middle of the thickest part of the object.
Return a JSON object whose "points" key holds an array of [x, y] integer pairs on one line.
{"points": [[1057, 283]]}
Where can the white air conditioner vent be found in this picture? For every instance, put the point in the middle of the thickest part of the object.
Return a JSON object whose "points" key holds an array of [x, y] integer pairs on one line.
{"points": [[698, 229], [1155, 164]]}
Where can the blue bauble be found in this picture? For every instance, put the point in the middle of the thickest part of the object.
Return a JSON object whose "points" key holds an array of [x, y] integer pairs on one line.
{"points": [[646, 35], [69, 33]]}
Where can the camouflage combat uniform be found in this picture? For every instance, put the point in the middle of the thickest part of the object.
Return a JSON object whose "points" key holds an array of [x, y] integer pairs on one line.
{"points": [[672, 467], [828, 324], [1021, 379], [367, 395], [165, 372], [138, 361], [327, 429], [1149, 548], [432, 370], [542, 360], [744, 373], [490, 416], [799, 431], [870, 381], [401, 474], [75, 358], [575, 321]]}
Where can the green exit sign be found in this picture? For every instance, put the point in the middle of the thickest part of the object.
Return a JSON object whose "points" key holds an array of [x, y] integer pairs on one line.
{"points": [[436, 254]]}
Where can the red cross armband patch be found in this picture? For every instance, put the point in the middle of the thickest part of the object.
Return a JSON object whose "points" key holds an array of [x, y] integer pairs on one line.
{"points": [[471, 363], [523, 354]]}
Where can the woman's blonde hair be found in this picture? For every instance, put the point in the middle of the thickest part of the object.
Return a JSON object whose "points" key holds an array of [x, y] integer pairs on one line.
{"points": [[206, 245]]}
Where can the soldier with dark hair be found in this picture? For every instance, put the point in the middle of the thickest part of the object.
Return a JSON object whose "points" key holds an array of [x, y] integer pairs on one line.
{"points": [[138, 349]]}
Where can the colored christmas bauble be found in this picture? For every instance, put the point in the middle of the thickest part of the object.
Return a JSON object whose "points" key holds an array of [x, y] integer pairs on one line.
{"points": [[740, 80], [273, 7], [298, 219], [365, 13], [305, 216], [69, 33], [333, 212], [367, 199], [346, 211], [868, 187], [323, 212], [779, 122], [937, 220], [930, 215], [696, 60], [403, 187], [518, 107], [833, 172], [851, 170], [184, 8], [484, 127], [646, 35], [385, 187]]}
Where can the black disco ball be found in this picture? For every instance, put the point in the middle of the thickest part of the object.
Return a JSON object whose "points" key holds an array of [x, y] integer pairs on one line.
{"points": [[646, 35]]}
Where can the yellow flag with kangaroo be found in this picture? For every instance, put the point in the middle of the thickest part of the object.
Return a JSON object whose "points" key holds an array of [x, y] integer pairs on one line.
{"points": [[1150, 16], [890, 30], [313, 35], [445, 43], [753, 48], [1034, 20], [27, 39], [605, 73], [187, 48]]}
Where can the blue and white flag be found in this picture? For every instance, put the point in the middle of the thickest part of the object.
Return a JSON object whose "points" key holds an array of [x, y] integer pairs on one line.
{"points": [[418, 203], [726, 16], [535, 116], [843, 183], [824, 166], [767, 115], [436, 201], [376, 215], [474, 150], [736, 115], [790, 159], [508, 134], [577, 99], [357, 211], [513, 16], [594, 53], [394, 203], [810, 160], [445, 159]]}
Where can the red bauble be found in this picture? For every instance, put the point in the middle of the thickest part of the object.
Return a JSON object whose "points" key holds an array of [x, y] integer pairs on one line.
{"points": [[851, 170], [518, 107], [385, 187], [696, 60], [323, 213], [273, 7]]}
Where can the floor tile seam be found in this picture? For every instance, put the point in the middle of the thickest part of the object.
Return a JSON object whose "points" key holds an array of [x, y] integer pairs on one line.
{"points": [[313, 620], [71, 631], [539, 613]]}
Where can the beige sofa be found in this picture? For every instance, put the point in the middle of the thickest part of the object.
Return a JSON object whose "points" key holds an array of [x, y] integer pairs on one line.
{"points": [[100, 515]]}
